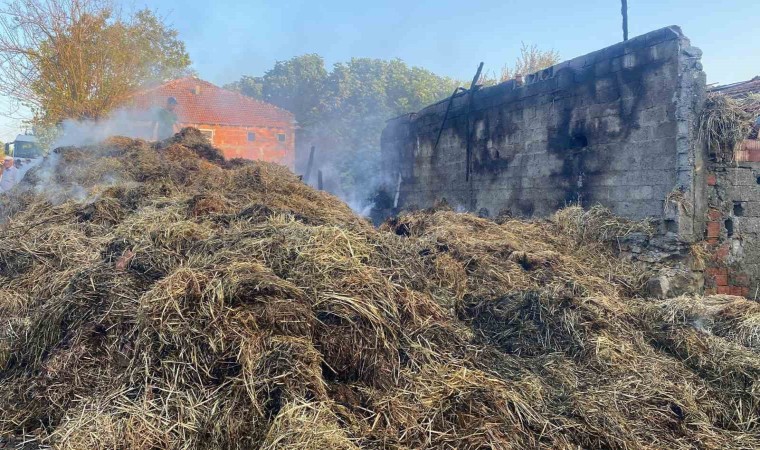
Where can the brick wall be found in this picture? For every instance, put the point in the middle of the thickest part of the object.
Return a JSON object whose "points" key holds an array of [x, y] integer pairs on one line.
{"points": [[615, 127], [749, 151], [266, 146], [733, 228]]}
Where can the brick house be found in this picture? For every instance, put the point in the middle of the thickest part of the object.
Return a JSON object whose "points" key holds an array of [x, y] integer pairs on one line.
{"points": [[240, 126]]}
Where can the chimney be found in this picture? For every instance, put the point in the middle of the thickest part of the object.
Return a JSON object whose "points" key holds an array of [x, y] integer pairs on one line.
{"points": [[197, 89]]}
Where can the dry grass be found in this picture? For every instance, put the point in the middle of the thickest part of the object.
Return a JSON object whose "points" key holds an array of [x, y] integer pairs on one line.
{"points": [[189, 303], [723, 125]]}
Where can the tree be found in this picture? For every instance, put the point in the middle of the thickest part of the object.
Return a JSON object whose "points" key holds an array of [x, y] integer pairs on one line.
{"points": [[297, 85], [531, 60], [246, 85], [81, 58], [343, 111]]}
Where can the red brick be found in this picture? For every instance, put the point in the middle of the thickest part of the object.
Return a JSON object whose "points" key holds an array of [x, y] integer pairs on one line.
{"points": [[721, 280], [712, 241], [725, 290], [737, 290], [716, 271], [714, 214], [750, 151], [713, 229], [712, 180], [233, 142], [722, 252]]}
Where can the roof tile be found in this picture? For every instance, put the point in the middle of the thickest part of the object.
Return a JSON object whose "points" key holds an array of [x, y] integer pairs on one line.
{"points": [[201, 102]]}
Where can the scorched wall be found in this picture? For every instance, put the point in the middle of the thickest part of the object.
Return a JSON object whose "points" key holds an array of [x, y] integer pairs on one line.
{"points": [[615, 127]]}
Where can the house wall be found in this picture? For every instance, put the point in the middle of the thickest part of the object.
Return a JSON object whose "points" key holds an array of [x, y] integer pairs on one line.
{"points": [[233, 142], [615, 127], [733, 230]]}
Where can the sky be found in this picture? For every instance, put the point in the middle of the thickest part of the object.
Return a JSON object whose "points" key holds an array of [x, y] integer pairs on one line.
{"points": [[230, 38]]}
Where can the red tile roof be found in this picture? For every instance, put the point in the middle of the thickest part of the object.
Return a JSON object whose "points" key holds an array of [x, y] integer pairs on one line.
{"points": [[200, 102]]}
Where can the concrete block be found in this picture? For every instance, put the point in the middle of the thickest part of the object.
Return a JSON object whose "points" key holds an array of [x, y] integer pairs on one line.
{"points": [[654, 37], [751, 209], [747, 225], [655, 116], [738, 177], [741, 193], [602, 68], [664, 50], [565, 78], [664, 130], [615, 50]]}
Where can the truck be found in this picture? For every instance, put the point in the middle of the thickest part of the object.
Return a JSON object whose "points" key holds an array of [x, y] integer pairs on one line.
{"points": [[24, 149]]}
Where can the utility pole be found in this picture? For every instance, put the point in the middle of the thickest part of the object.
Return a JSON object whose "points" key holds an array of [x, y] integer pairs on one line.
{"points": [[624, 10]]}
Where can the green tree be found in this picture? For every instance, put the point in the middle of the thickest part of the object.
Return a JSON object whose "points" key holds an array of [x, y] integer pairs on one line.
{"points": [[81, 58], [246, 85], [297, 85], [344, 111]]}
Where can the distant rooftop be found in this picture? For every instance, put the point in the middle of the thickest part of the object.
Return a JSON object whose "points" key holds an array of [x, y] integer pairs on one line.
{"points": [[200, 102], [740, 89]]}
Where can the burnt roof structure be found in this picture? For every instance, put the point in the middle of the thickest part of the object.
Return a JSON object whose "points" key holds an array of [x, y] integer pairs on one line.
{"points": [[739, 90]]}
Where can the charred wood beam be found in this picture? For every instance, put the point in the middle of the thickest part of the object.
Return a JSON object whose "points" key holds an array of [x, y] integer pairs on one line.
{"points": [[309, 165], [446, 115], [468, 174], [470, 94]]}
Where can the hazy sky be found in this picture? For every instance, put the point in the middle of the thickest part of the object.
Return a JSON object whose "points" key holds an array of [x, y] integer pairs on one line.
{"points": [[227, 39]]}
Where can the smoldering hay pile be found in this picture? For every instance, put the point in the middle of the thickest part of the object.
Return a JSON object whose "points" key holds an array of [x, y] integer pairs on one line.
{"points": [[179, 300]]}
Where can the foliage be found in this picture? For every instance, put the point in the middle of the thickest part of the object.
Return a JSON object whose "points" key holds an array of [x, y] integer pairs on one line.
{"points": [[531, 60], [247, 85], [342, 112], [80, 58]]}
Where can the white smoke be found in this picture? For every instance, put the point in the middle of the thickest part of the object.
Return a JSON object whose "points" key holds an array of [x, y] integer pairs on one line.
{"points": [[122, 122]]}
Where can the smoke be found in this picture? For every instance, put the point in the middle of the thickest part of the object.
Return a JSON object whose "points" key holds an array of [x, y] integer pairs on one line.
{"points": [[350, 163], [46, 180], [122, 122]]}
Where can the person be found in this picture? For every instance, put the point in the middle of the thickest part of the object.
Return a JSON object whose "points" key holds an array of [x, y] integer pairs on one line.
{"points": [[9, 177], [166, 120]]}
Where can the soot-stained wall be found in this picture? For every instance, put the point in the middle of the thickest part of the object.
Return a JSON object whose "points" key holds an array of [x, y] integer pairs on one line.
{"points": [[615, 127]]}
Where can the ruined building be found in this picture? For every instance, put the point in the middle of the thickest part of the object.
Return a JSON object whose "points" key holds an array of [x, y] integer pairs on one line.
{"points": [[617, 127]]}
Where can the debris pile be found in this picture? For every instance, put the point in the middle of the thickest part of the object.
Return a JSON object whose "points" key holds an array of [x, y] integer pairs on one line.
{"points": [[163, 297]]}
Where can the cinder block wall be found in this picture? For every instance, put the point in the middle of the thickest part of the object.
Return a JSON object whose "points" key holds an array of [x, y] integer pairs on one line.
{"points": [[615, 127]]}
